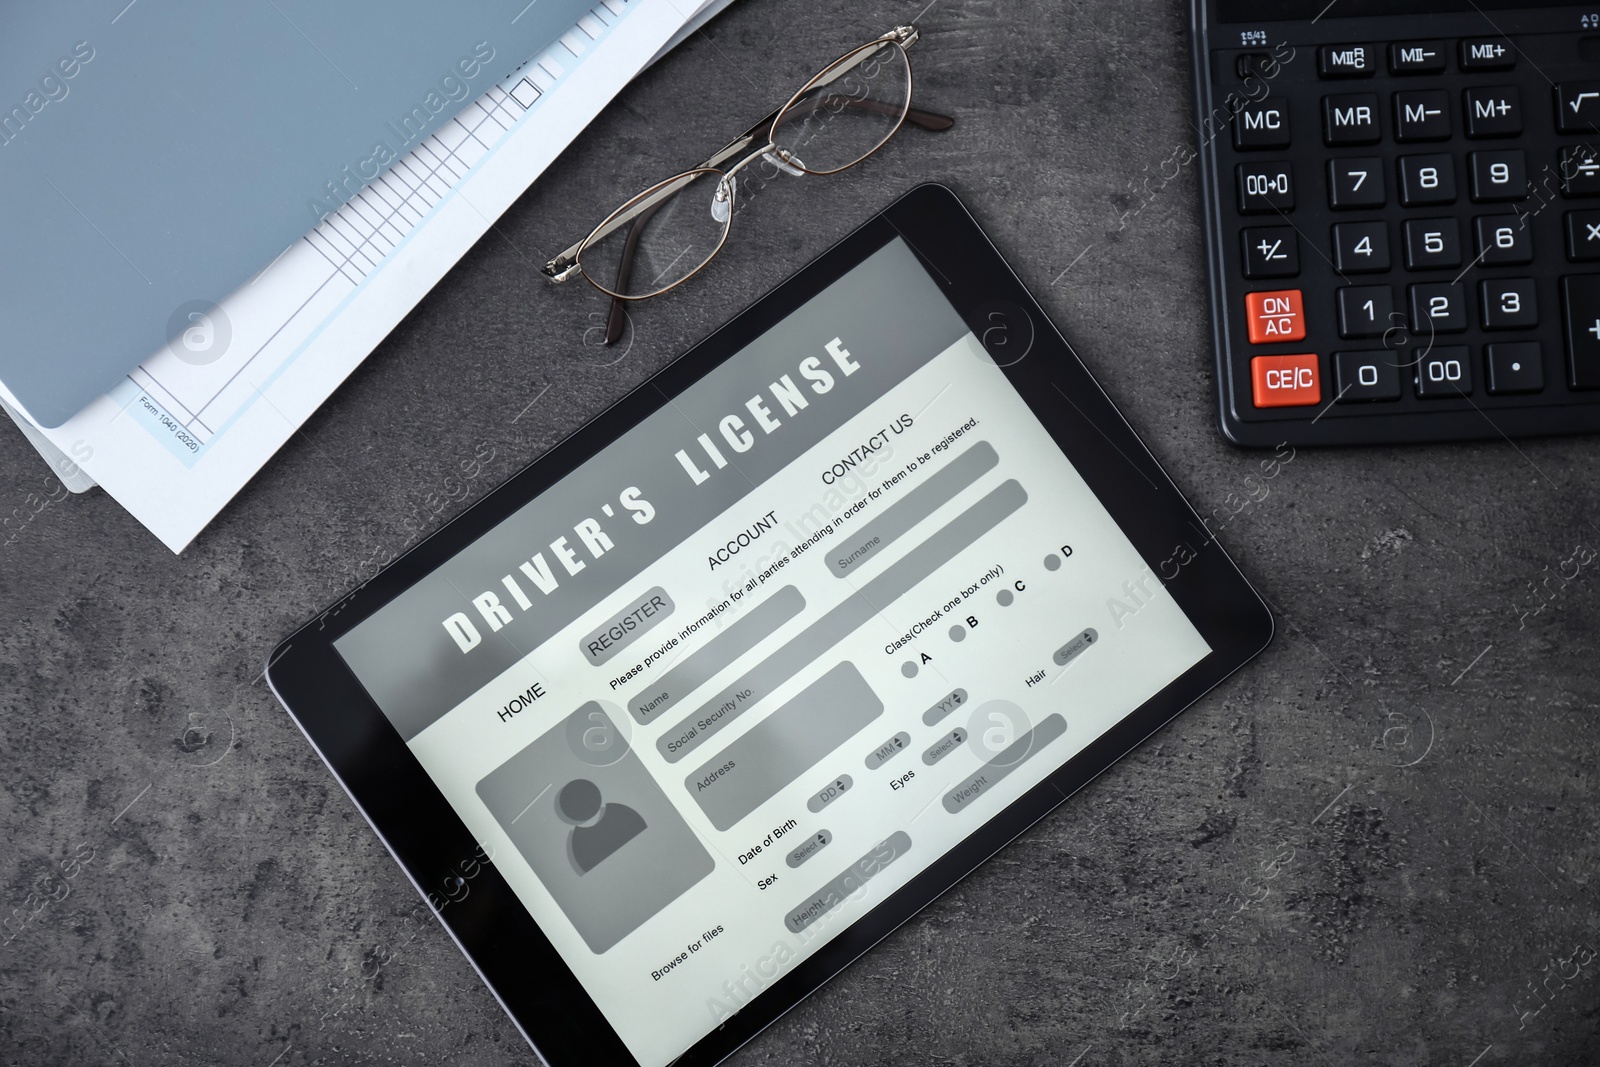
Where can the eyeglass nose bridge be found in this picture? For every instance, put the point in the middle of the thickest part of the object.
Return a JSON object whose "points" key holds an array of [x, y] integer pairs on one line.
{"points": [[781, 158], [723, 199]]}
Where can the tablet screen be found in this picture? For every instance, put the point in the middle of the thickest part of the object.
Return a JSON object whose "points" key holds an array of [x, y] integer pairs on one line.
{"points": [[714, 695]]}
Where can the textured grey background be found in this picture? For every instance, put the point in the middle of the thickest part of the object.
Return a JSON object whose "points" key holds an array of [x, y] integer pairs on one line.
{"points": [[1408, 773]]}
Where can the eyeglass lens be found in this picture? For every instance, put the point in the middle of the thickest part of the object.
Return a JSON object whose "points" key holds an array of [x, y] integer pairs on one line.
{"points": [[842, 116]]}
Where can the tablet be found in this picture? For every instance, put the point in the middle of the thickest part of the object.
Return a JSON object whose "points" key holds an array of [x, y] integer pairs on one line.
{"points": [[681, 719]]}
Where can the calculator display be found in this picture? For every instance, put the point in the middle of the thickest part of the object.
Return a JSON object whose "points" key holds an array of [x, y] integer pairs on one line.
{"points": [[1287, 10]]}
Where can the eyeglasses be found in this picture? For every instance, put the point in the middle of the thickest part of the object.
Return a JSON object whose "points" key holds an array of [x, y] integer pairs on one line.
{"points": [[664, 236]]}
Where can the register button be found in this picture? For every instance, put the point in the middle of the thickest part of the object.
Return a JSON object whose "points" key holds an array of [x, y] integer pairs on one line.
{"points": [[1285, 381]]}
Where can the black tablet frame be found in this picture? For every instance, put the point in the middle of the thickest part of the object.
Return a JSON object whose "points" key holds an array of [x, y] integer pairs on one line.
{"points": [[444, 861]]}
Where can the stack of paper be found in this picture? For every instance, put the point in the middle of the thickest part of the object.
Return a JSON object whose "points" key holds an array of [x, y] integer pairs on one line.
{"points": [[187, 428]]}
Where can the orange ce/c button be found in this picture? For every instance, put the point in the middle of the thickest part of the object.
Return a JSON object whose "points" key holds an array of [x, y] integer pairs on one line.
{"points": [[1285, 381], [1275, 316]]}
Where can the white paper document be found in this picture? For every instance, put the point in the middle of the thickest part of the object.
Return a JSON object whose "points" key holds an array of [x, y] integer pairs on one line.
{"points": [[177, 438]]}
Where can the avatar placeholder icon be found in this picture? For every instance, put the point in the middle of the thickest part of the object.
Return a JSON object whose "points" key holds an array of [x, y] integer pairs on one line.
{"points": [[598, 828]]}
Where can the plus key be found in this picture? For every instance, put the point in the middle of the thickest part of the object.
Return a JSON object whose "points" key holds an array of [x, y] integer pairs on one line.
{"points": [[1580, 304]]}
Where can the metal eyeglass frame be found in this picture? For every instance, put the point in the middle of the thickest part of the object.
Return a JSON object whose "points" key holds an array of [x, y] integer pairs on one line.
{"points": [[639, 209]]}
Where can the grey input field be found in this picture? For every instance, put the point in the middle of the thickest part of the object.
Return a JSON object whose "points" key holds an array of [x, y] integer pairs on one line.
{"points": [[848, 881], [784, 745], [898, 579], [760, 622], [991, 773], [854, 549]]}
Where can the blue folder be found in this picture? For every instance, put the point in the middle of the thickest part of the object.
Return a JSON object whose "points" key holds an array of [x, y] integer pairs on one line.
{"points": [[159, 153]]}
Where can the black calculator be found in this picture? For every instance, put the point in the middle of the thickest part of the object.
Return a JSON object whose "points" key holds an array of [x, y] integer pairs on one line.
{"points": [[1402, 217]]}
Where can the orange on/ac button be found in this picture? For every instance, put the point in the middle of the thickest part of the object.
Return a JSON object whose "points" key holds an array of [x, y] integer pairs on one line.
{"points": [[1285, 381], [1275, 316]]}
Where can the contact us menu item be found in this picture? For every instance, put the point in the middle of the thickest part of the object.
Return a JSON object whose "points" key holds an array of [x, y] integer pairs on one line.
{"points": [[714, 695]]}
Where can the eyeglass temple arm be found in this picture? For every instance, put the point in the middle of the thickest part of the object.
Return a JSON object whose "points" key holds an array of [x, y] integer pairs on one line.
{"points": [[630, 248], [923, 120], [931, 121]]}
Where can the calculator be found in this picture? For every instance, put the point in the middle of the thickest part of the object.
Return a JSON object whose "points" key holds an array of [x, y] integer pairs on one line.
{"points": [[1401, 207]]}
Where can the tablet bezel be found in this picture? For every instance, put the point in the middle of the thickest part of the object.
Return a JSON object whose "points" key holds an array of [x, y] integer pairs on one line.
{"points": [[442, 859]]}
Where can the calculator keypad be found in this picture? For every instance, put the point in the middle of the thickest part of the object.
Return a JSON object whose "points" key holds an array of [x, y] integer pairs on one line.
{"points": [[1449, 261]]}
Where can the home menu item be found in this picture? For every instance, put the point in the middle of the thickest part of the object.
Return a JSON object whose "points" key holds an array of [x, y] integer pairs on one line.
{"points": [[758, 662]]}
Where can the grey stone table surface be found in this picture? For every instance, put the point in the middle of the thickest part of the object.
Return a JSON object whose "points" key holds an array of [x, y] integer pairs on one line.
{"points": [[1376, 844]]}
